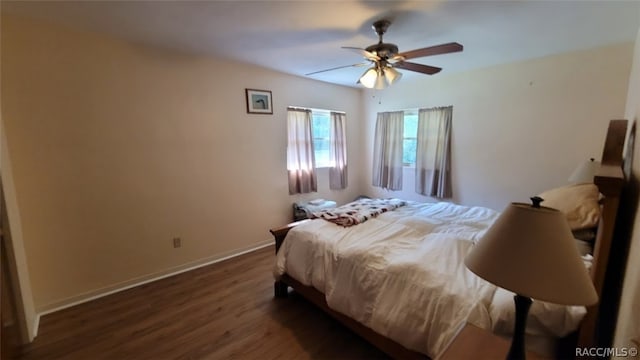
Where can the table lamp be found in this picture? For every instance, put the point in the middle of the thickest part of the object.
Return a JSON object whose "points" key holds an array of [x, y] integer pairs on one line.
{"points": [[530, 251]]}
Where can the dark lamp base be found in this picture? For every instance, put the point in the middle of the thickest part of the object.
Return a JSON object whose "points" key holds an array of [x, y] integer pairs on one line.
{"points": [[516, 352]]}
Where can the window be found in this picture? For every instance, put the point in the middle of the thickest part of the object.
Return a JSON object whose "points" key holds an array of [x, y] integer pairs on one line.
{"points": [[320, 129], [420, 139], [410, 138], [321, 133]]}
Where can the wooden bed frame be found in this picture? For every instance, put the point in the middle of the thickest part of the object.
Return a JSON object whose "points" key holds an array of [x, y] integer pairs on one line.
{"points": [[610, 181]]}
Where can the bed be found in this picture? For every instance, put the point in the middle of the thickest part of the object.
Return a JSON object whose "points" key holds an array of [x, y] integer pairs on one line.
{"points": [[399, 280]]}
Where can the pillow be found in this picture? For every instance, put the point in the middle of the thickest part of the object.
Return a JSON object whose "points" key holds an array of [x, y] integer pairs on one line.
{"points": [[578, 202]]}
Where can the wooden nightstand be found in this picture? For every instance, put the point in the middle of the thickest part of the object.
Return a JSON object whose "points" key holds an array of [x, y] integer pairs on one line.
{"points": [[478, 344]]}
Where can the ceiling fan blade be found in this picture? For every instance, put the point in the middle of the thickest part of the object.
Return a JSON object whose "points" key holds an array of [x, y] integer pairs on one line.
{"points": [[336, 68], [425, 69], [432, 50], [363, 52]]}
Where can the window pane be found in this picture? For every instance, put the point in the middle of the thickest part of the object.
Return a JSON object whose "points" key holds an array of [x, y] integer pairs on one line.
{"points": [[321, 147], [410, 133], [320, 124], [409, 151], [410, 125], [321, 130]]}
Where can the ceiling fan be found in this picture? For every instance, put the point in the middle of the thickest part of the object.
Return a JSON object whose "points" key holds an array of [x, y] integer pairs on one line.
{"points": [[385, 58]]}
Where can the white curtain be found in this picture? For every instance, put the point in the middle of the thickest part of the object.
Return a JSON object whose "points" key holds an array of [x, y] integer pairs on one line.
{"points": [[387, 150], [433, 152], [301, 161], [338, 151]]}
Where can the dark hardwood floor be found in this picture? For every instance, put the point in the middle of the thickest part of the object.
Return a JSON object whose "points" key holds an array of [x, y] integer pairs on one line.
{"points": [[222, 311]]}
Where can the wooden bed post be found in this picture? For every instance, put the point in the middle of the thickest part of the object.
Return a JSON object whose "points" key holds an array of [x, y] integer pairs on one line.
{"points": [[280, 289], [610, 180]]}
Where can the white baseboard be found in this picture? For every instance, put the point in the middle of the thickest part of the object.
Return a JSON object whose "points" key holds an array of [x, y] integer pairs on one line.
{"points": [[36, 324], [112, 289]]}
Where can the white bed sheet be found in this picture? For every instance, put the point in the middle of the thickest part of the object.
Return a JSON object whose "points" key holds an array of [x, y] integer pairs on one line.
{"points": [[402, 273]]}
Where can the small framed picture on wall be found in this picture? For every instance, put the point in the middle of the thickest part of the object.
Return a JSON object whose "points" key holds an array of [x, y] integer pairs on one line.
{"points": [[259, 101]]}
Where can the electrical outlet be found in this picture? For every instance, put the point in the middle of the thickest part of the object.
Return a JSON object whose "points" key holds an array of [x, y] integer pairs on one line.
{"points": [[177, 242]]}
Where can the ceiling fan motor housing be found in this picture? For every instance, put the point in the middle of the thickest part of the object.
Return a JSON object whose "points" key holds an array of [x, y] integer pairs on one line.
{"points": [[383, 50]]}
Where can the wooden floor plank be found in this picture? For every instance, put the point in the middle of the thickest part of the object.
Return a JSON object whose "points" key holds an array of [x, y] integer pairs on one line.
{"points": [[222, 311]]}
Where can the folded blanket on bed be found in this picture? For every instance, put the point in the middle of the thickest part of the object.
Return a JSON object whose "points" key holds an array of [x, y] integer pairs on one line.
{"points": [[358, 211]]}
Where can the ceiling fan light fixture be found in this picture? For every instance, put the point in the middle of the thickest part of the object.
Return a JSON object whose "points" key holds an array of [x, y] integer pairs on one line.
{"points": [[385, 57], [368, 79], [380, 81], [392, 75]]}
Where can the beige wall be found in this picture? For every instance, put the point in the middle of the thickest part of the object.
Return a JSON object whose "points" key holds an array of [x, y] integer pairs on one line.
{"points": [[518, 129], [628, 326], [117, 148]]}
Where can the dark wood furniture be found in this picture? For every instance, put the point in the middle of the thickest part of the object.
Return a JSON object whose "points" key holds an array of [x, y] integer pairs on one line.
{"points": [[473, 343], [609, 179]]}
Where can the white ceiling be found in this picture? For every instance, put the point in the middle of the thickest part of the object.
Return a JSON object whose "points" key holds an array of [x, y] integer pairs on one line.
{"points": [[303, 36]]}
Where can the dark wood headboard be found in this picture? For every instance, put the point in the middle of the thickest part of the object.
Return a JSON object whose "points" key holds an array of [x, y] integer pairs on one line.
{"points": [[610, 181]]}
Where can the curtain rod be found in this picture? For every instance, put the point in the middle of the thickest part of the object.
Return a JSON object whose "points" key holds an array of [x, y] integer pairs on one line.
{"points": [[312, 109], [416, 109]]}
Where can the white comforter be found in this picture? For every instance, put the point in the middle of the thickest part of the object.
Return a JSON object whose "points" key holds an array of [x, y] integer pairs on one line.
{"points": [[402, 274]]}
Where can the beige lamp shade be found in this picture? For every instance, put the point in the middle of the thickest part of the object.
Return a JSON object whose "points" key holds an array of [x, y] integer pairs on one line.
{"points": [[368, 79], [380, 81], [530, 251], [379, 78], [585, 172], [392, 75]]}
